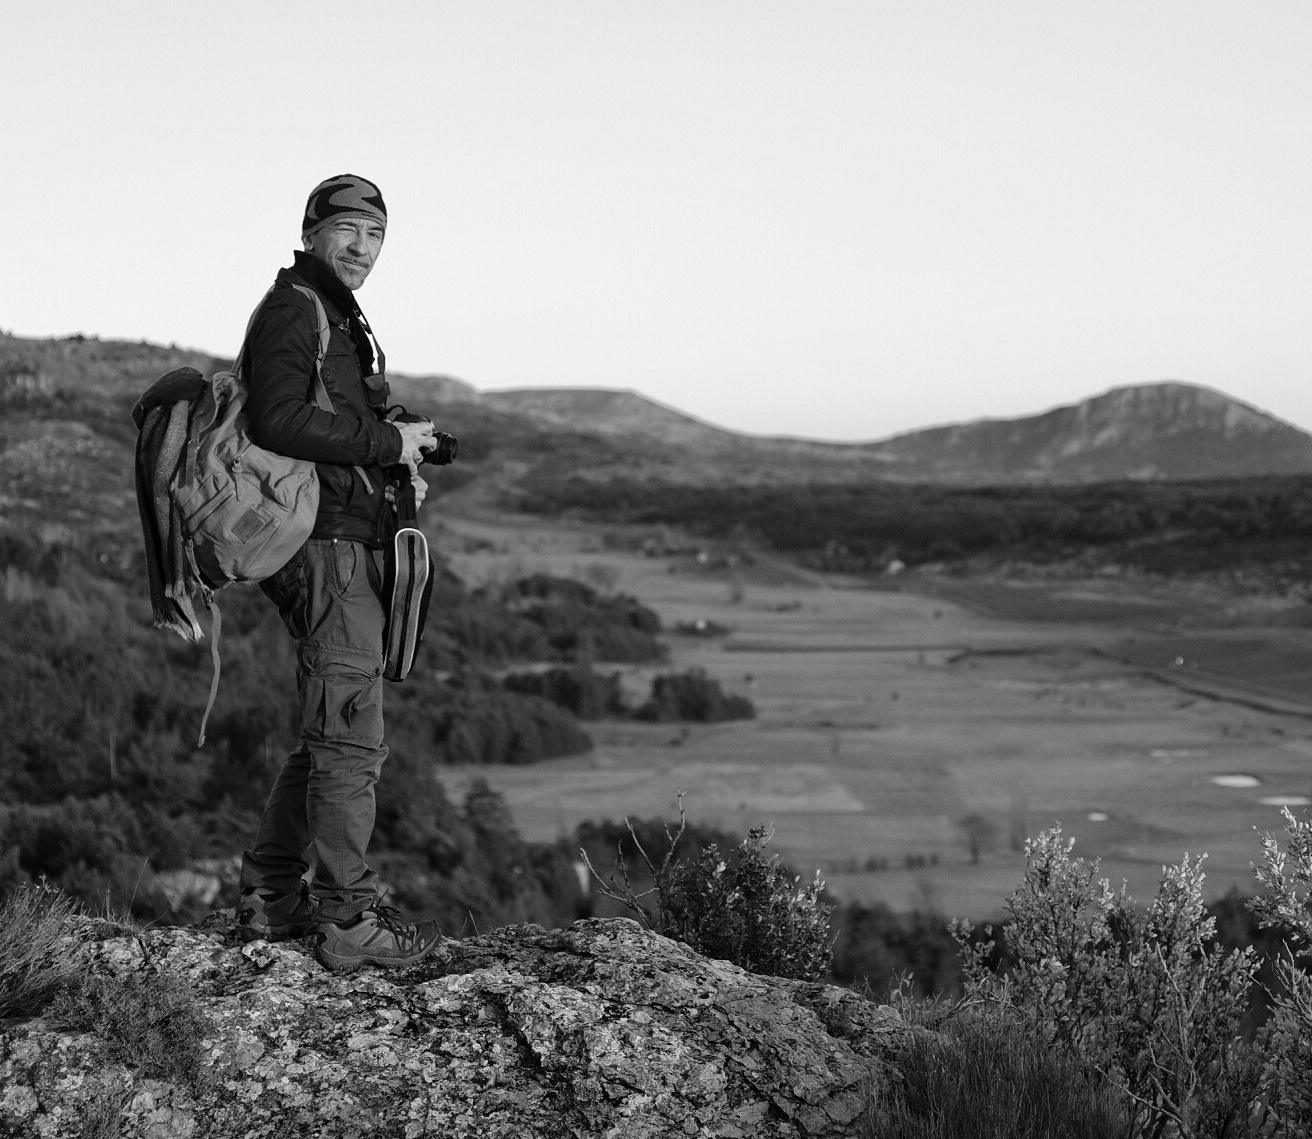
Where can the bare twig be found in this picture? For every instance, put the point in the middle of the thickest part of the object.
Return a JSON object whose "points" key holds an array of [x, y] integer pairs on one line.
{"points": [[623, 891]]}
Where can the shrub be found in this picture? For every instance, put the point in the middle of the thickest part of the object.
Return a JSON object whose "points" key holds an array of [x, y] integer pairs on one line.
{"points": [[746, 907], [586, 694], [694, 696], [1287, 876], [37, 943], [148, 1021], [984, 1075], [1144, 997], [751, 911]]}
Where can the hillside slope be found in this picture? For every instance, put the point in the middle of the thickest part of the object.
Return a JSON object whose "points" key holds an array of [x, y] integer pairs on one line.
{"points": [[1151, 431], [612, 412], [1158, 431]]}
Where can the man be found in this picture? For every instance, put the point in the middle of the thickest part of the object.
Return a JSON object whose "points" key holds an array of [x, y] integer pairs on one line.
{"points": [[330, 594]]}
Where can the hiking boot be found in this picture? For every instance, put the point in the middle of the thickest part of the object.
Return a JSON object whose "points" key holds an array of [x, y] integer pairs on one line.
{"points": [[275, 917], [377, 937]]}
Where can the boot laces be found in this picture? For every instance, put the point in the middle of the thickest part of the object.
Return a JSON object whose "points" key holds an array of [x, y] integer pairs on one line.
{"points": [[389, 918]]}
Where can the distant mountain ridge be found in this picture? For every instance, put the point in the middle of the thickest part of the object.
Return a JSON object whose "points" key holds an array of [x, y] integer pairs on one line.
{"points": [[1164, 430], [614, 412], [1168, 430]]}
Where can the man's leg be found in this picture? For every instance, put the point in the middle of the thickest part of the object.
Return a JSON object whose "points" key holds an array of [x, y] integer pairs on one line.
{"points": [[332, 603], [328, 596], [277, 861], [341, 677], [339, 682]]}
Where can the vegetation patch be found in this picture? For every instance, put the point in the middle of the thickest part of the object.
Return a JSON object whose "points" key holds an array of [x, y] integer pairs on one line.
{"points": [[876, 949], [983, 1074], [743, 906], [38, 949], [464, 864], [690, 697], [147, 1021], [1149, 998], [1257, 525], [586, 693], [469, 718], [693, 696]]}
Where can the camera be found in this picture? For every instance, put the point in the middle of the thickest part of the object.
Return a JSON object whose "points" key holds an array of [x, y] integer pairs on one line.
{"points": [[448, 446]]}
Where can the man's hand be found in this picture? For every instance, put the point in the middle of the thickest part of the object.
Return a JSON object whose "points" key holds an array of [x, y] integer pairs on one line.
{"points": [[415, 439], [421, 490]]}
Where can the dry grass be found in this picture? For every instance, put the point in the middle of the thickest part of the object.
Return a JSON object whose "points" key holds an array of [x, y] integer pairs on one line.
{"points": [[148, 1021], [983, 1076], [38, 945]]}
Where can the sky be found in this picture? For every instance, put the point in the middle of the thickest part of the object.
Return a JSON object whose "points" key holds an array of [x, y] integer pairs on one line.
{"points": [[834, 219]]}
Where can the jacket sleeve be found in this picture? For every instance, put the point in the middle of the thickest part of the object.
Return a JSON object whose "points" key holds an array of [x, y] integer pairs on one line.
{"points": [[279, 370]]}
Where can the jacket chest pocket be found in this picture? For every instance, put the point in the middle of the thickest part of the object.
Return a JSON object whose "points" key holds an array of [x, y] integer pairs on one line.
{"points": [[376, 390]]}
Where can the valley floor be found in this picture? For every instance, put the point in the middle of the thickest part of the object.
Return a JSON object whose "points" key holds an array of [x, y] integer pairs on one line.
{"points": [[889, 712]]}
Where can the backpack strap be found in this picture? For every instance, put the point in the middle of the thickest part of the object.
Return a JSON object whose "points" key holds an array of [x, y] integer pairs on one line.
{"points": [[321, 400], [216, 627], [320, 391]]}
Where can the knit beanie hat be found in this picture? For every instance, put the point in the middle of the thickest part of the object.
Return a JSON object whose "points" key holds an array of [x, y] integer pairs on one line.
{"points": [[346, 195]]}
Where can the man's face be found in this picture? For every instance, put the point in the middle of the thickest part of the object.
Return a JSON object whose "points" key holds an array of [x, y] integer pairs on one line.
{"points": [[349, 247]]}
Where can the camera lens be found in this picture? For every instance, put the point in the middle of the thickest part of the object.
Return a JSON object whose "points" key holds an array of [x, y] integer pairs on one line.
{"points": [[445, 451]]}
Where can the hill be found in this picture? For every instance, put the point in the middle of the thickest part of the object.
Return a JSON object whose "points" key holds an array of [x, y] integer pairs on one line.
{"points": [[613, 412], [1150, 431], [1162, 431], [1159, 431]]}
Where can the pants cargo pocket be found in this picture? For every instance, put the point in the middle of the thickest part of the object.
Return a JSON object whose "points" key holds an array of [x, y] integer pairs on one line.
{"points": [[341, 696]]}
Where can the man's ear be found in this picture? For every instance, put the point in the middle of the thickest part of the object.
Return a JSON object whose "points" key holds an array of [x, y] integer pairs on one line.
{"points": [[307, 243]]}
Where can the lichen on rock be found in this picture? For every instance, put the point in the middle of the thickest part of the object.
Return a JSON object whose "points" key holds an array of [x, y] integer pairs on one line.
{"points": [[603, 1029]]}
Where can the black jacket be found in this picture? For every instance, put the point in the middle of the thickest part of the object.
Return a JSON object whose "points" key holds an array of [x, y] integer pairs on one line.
{"points": [[279, 370]]}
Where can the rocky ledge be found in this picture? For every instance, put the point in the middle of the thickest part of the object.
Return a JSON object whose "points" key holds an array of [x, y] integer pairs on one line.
{"points": [[602, 1029]]}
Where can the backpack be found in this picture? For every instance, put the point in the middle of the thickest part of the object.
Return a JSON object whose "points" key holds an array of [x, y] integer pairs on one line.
{"points": [[240, 511], [245, 511]]}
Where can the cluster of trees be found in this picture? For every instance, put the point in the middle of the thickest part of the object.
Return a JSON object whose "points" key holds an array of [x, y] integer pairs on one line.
{"points": [[685, 696], [1164, 527]]}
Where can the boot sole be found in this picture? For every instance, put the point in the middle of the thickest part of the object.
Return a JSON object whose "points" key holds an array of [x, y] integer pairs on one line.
{"points": [[340, 963]]}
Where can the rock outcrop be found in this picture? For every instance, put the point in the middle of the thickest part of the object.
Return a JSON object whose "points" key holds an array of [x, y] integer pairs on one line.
{"points": [[602, 1029]]}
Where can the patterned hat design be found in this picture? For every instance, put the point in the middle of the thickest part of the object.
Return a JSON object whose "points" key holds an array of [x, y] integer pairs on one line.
{"points": [[346, 195]]}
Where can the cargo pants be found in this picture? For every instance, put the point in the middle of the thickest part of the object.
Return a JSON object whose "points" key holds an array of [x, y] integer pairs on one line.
{"points": [[322, 803]]}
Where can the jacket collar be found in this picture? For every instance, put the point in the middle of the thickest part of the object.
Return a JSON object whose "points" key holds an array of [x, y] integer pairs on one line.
{"points": [[324, 282], [341, 305]]}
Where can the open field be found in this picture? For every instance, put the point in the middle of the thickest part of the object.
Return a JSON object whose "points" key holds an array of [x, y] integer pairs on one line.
{"points": [[887, 715]]}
